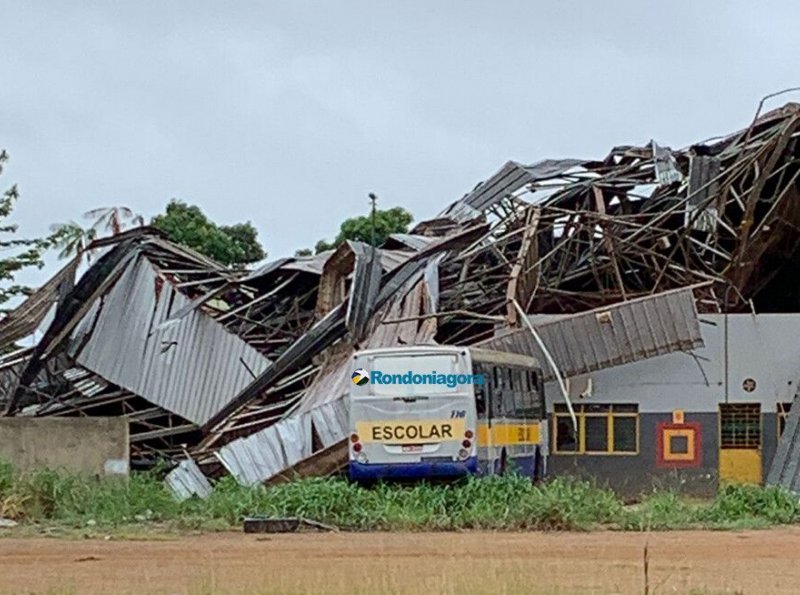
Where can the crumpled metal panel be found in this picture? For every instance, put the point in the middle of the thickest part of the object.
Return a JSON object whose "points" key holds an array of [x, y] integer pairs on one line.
{"points": [[307, 264], [331, 421], [252, 458], [784, 470], [186, 480], [331, 383], [667, 171], [431, 277], [364, 288], [391, 259], [413, 241], [606, 337], [511, 177], [23, 320], [258, 457], [192, 368]]}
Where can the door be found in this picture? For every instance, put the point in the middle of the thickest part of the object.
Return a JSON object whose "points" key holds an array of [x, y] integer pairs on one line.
{"points": [[740, 443]]}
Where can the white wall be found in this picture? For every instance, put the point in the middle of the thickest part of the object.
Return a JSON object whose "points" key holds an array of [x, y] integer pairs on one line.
{"points": [[765, 347]]}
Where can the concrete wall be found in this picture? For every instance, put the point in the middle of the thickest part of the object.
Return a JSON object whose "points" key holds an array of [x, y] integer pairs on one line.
{"points": [[90, 445], [764, 347]]}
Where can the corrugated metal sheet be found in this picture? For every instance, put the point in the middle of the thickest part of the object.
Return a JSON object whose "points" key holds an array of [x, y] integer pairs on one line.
{"points": [[331, 421], [702, 170], [307, 264], [785, 468], [413, 241], [85, 382], [367, 273], [259, 456], [607, 337], [431, 277], [23, 320], [192, 368], [186, 480], [511, 177], [391, 259], [666, 167]]}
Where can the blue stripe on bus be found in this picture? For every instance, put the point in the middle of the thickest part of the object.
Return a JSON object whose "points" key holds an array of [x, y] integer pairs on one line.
{"points": [[412, 470]]}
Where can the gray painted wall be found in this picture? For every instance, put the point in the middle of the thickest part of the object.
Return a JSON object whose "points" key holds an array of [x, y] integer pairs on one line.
{"points": [[89, 445], [765, 347], [634, 475]]}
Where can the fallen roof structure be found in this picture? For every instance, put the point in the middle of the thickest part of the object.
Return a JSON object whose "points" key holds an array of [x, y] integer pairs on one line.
{"points": [[158, 333], [626, 250], [712, 228]]}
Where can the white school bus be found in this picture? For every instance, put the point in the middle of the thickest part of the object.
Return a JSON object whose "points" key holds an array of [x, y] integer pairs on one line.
{"points": [[445, 411]]}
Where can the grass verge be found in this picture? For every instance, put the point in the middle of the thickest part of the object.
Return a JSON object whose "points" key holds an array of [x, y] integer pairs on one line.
{"points": [[499, 503]]}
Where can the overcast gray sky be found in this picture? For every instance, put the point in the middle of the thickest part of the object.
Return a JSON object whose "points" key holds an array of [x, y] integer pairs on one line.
{"points": [[288, 113]]}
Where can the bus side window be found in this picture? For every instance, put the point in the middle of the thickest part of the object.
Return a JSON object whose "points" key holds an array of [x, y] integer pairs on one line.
{"points": [[481, 391], [509, 405], [522, 394], [497, 391], [480, 400]]}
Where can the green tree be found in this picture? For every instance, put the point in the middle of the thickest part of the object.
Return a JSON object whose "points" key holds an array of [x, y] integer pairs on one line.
{"points": [[113, 219], [19, 253], [71, 239], [232, 245], [387, 222], [304, 252], [323, 245]]}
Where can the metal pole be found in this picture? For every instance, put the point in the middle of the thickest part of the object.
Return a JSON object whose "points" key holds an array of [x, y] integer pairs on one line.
{"points": [[373, 199], [552, 362]]}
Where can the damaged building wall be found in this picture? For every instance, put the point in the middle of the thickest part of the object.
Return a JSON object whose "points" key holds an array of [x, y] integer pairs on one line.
{"points": [[731, 397]]}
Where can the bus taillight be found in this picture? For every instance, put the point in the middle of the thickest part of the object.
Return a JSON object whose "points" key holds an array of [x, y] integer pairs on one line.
{"points": [[357, 447], [466, 444], [468, 434], [353, 438]]}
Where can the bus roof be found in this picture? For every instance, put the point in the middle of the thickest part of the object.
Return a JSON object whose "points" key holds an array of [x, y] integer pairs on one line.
{"points": [[505, 358], [418, 349], [477, 354]]}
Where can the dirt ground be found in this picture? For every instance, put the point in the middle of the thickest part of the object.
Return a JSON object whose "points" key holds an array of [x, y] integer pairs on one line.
{"points": [[475, 562]]}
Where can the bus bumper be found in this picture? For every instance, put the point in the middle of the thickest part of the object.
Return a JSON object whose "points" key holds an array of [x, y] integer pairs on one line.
{"points": [[419, 470]]}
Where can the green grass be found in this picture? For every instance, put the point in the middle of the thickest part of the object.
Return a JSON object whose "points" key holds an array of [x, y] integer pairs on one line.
{"points": [[498, 503]]}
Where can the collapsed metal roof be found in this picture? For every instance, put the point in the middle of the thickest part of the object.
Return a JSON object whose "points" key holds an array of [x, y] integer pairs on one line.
{"points": [[625, 250]]}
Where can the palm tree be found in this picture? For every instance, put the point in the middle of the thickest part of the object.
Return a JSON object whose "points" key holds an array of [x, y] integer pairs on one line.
{"points": [[72, 239], [113, 219]]}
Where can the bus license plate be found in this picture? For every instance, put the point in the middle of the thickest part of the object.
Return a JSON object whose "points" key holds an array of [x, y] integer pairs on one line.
{"points": [[412, 448]]}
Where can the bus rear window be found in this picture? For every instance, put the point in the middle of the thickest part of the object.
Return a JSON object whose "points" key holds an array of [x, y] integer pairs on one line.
{"points": [[416, 375]]}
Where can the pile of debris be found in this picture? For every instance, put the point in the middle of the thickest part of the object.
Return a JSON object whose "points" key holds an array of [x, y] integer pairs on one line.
{"points": [[246, 372]]}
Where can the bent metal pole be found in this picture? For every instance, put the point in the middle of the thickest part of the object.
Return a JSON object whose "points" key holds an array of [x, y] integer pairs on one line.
{"points": [[552, 363]]}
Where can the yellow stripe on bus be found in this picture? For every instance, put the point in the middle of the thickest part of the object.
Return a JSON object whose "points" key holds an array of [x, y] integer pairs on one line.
{"points": [[421, 431], [504, 434]]}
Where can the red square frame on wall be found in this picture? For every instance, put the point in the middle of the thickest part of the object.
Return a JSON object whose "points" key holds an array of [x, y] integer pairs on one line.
{"points": [[691, 433]]}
